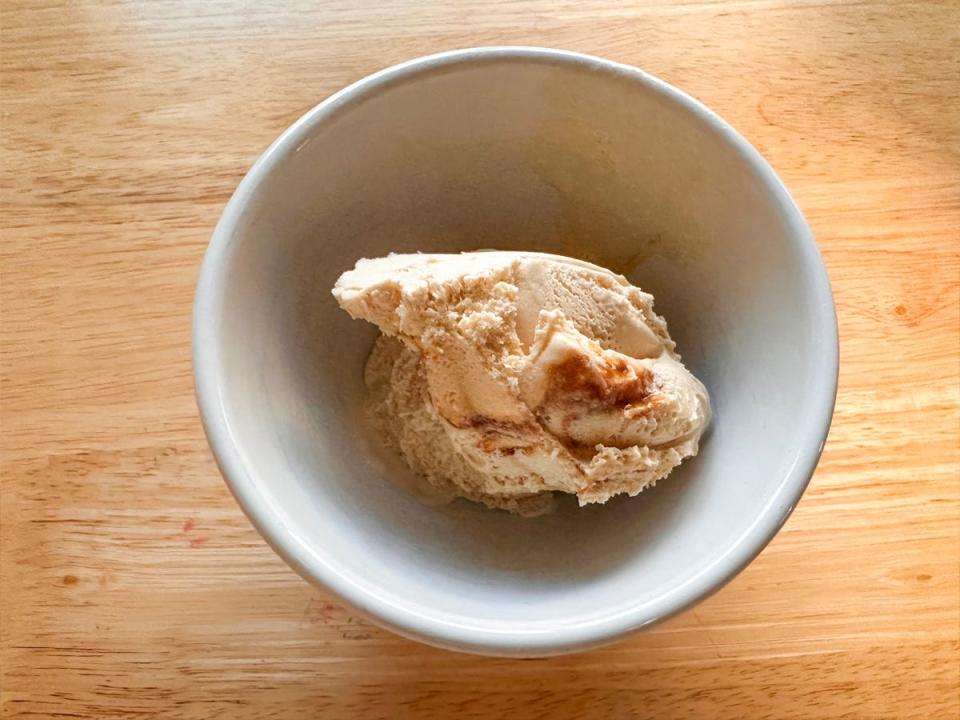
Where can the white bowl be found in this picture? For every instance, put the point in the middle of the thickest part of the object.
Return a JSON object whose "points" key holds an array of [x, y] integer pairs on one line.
{"points": [[514, 148]]}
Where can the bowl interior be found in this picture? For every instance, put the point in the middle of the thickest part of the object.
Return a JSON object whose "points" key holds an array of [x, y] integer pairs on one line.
{"points": [[514, 152]]}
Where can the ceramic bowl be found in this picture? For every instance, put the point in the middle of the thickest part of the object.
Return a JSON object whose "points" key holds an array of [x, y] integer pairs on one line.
{"points": [[512, 148]]}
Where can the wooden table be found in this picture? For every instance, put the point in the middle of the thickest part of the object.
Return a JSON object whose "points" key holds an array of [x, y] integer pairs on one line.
{"points": [[132, 584]]}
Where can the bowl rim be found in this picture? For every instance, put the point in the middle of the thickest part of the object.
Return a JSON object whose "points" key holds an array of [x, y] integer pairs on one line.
{"points": [[408, 621]]}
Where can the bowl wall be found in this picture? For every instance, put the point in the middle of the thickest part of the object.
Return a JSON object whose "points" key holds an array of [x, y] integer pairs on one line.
{"points": [[532, 150]]}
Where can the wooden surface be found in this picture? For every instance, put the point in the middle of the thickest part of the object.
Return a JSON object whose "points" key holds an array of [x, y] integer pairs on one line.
{"points": [[132, 584]]}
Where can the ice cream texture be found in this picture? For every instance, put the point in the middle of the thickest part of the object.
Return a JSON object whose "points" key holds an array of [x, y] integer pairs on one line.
{"points": [[508, 377]]}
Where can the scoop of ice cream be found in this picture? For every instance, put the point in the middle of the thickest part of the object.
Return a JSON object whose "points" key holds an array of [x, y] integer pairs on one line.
{"points": [[517, 375]]}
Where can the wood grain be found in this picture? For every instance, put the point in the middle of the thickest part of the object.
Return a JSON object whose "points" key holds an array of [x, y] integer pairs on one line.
{"points": [[131, 583]]}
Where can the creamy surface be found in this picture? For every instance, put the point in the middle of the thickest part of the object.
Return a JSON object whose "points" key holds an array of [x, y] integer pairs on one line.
{"points": [[505, 377]]}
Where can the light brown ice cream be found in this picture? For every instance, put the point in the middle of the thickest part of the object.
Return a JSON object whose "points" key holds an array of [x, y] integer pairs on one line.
{"points": [[505, 377]]}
